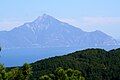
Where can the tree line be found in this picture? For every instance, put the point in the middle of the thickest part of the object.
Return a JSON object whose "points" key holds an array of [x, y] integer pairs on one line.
{"points": [[25, 73], [89, 64]]}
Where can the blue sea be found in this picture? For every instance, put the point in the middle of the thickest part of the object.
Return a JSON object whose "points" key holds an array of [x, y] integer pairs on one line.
{"points": [[17, 57]]}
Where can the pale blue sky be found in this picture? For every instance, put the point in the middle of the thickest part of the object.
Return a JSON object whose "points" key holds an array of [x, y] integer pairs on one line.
{"points": [[88, 15]]}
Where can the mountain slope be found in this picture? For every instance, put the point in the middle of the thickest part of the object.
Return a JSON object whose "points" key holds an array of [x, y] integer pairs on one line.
{"points": [[47, 31], [95, 64]]}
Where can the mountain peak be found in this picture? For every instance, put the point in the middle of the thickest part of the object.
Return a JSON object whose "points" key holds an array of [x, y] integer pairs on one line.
{"points": [[44, 16]]}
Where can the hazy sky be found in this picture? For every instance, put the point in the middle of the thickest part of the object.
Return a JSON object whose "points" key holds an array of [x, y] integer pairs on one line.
{"points": [[88, 15]]}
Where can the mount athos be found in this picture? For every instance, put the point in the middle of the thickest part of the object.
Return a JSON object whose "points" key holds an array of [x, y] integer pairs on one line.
{"points": [[46, 32]]}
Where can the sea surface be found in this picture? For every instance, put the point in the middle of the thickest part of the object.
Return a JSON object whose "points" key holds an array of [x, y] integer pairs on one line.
{"points": [[17, 57]]}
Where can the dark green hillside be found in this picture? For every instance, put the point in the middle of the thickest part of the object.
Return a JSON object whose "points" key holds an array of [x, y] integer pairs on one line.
{"points": [[89, 64], [95, 64]]}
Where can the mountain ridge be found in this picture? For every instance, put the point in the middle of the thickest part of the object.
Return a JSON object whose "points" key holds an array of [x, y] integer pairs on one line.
{"points": [[46, 31]]}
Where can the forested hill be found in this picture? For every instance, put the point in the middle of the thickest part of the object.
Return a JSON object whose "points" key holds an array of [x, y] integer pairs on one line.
{"points": [[95, 64]]}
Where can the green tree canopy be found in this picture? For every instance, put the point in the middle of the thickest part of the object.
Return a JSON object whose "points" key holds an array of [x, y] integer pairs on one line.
{"points": [[61, 74]]}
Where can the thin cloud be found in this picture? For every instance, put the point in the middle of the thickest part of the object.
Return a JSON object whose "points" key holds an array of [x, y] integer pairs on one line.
{"points": [[73, 22], [9, 25], [96, 21], [93, 21]]}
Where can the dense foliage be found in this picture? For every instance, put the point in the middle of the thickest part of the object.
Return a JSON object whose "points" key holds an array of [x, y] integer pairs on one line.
{"points": [[95, 64], [21, 73], [89, 64], [61, 74]]}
